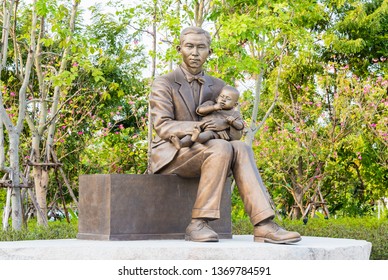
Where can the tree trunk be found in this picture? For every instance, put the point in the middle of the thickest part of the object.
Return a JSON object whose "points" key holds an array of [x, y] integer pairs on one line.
{"points": [[40, 182], [298, 196], [252, 127], [42, 173], [17, 214]]}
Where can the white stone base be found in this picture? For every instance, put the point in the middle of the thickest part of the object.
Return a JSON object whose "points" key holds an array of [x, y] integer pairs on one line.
{"points": [[241, 247]]}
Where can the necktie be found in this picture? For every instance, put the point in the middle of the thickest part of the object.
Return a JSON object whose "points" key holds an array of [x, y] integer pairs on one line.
{"points": [[196, 82]]}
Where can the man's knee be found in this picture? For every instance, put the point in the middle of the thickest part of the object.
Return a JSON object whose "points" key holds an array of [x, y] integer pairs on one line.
{"points": [[240, 147], [221, 148]]}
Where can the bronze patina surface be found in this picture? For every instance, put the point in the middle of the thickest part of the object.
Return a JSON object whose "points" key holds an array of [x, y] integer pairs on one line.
{"points": [[138, 207]]}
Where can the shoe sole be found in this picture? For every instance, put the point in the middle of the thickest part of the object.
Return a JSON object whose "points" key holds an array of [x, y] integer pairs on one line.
{"points": [[267, 240], [188, 238]]}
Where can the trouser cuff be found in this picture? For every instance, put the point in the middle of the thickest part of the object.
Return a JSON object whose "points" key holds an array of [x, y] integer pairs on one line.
{"points": [[263, 215], [209, 214]]}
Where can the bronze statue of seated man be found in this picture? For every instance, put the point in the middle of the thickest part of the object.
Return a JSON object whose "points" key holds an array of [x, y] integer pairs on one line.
{"points": [[174, 99]]}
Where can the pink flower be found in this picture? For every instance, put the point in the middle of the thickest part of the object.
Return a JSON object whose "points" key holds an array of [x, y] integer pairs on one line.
{"points": [[373, 125], [75, 64], [367, 88], [63, 127], [12, 93], [121, 126], [80, 132]]}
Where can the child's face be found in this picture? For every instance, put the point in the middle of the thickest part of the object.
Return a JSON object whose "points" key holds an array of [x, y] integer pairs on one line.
{"points": [[227, 99]]}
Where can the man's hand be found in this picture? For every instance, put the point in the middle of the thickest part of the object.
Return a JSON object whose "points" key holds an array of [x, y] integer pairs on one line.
{"points": [[223, 135], [215, 125]]}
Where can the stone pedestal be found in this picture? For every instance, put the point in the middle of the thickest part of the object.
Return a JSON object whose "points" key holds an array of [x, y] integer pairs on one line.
{"points": [[241, 247], [140, 207]]}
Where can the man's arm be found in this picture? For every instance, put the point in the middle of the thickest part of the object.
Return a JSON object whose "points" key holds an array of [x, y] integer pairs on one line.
{"points": [[163, 113]]}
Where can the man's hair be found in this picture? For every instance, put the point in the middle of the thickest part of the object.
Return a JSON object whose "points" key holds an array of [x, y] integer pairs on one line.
{"points": [[194, 30]]}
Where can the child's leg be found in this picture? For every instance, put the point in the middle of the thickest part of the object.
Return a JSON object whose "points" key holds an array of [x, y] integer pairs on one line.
{"points": [[206, 136], [196, 132], [186, 141], [176, 142]]}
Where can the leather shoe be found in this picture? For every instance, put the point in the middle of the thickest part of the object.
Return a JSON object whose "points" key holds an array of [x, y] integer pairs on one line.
{"points": [[199, 230], [272, 233]]}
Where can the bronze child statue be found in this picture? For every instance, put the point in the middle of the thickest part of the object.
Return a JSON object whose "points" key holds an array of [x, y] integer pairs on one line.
{"points": [[224, 108]]}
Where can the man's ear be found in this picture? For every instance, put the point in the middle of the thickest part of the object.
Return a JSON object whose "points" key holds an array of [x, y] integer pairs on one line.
{"points": [[210, 51], [178, 48]]}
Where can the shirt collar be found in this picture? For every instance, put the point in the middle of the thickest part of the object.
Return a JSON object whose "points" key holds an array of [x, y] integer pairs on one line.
{"points": [[190, 77]]}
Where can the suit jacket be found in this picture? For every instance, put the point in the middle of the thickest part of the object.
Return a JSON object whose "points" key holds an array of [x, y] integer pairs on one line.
{"points": [[173, 112]]}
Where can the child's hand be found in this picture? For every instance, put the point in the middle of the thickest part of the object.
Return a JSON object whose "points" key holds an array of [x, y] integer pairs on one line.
{"points": [[230, 119], [217, 107]]}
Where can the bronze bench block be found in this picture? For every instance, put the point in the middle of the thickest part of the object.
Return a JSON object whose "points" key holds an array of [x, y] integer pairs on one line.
{"points": [[140, 207]]}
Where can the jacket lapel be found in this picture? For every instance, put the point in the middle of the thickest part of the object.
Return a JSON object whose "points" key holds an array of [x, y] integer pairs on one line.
{"points": [[206, 91], [186, 93]]}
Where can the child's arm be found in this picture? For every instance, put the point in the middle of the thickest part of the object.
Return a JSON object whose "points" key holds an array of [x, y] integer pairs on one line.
{"points": [[208, 108], [236, 122]]}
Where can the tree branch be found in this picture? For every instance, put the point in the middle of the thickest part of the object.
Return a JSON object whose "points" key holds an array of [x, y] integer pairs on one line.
{"points": [[28, 68]]}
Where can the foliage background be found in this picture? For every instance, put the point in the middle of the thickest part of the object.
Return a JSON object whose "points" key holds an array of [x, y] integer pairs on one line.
{"points": [[312, 76]]}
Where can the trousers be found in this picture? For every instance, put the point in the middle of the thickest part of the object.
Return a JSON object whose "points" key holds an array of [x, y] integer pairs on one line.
{"points": [[213, 162]]}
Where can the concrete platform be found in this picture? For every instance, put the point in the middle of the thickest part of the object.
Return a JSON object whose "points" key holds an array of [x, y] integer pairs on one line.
{"points": [[241, 247]]}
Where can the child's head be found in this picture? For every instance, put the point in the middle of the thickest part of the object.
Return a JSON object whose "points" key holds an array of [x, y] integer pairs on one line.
{"points": [[228, 97]]}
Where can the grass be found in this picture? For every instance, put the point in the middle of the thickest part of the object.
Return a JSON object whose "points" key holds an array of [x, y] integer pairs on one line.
{"points": [[369, 229], [56, 230]]}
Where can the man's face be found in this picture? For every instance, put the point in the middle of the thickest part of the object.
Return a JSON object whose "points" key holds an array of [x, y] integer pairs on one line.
{"points": [[227, 99], [195, 50]]}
